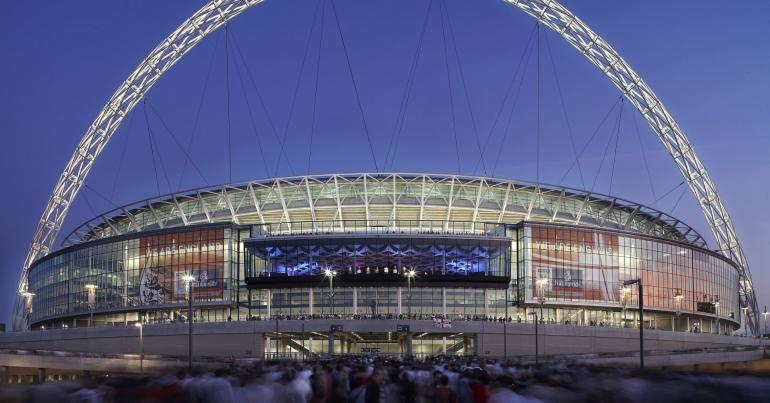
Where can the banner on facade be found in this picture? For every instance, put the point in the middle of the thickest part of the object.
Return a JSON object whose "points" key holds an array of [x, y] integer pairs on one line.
{"points": [[571, 263], [166, 259]]}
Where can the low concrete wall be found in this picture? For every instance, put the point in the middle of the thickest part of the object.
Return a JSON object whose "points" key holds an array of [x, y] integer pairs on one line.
{"points": [[246, 339]]}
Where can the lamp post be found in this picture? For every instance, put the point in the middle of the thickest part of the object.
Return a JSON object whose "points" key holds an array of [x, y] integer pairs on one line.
{"points": [[678, 301], [716, 312], [91, 302], [745, 321], [330, 274], [141, 347], [765, 313], [409, 275], [188, 279], [638, 282], [29, 296], [537, 353], [541, 284], [624, 301]]}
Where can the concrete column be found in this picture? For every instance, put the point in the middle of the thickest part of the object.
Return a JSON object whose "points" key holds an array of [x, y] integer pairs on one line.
{"points": [[4, 374], [443, 341], [310, 344], [355, 300], [331, 343], [310, 301], [398, 298], [41, 374], [486, 303], [443, 301], [269, 310], [408, 342]]}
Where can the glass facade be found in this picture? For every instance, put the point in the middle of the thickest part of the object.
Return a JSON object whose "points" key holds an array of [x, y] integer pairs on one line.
{"points": [[566, 274], [143, 275], [569, 266]]}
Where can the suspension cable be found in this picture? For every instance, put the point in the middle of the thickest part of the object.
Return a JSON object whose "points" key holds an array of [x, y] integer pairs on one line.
{"points": [[617, 140], [453, 119], [101, 196], [644, 156], [607, 147], [537, 141], [198, 112], [152, 149], [263, 105], [315, 85], [464, 85], [122, 157], [390, 153], [187, 155], [355, 87], [564, 110], [516, 99], [296, 88], [508, 91], [252, 120], [681, 195], [654, 202], [227, 101], [590, 140]]}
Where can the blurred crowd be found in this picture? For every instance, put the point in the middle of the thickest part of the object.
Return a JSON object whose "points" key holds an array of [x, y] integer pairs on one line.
{"points": [[389, 380]]}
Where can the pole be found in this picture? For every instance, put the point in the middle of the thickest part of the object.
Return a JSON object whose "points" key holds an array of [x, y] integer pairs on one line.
{"points": [[141, 349], [189, 324], [409, 307], [641, 325], [505, 322], [331, 293], [276, 335], [537, 358]]}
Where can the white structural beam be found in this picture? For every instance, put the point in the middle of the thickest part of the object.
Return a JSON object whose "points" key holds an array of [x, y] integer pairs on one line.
{"points": [[550, 13]]}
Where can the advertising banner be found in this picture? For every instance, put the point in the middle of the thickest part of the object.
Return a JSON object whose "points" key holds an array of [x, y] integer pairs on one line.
{"points": [[574, 264], [167, 258]]}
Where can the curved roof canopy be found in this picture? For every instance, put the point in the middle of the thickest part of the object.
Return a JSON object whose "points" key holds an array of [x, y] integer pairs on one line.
{"points": [[383, 197]]}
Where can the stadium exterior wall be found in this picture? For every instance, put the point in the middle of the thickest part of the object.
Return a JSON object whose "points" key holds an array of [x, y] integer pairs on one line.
{"points": [[556, 255]]}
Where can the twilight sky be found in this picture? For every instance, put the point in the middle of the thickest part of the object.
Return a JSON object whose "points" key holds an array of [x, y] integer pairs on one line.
{"points": [[707, 60]]}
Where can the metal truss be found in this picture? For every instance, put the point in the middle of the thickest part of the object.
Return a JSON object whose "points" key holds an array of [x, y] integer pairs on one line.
{"points": [[383, 199], [550, 13]]}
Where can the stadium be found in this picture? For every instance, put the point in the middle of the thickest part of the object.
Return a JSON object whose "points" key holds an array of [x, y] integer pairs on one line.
{"points": [[380, 262], [408, 248]]}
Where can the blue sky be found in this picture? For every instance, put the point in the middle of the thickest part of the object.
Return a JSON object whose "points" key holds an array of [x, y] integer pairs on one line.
{"points": [[707, 60]]}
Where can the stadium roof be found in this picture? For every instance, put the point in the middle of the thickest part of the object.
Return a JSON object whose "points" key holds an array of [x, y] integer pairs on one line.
{"points": [[383, 197]]}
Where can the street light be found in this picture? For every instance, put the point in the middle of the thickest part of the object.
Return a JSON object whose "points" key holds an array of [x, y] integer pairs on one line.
{"points": [[537, 359], [91, 302], [745, 321], [624, 301], [330, 274], [638, 282], [188, 278], [28, 295], [541, 284], [141, 347], [765, 315], [409, 275], [716, 312], [678, 300]]}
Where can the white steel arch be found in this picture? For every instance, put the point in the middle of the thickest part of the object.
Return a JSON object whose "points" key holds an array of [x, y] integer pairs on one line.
{"points": [[550, 13]]}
